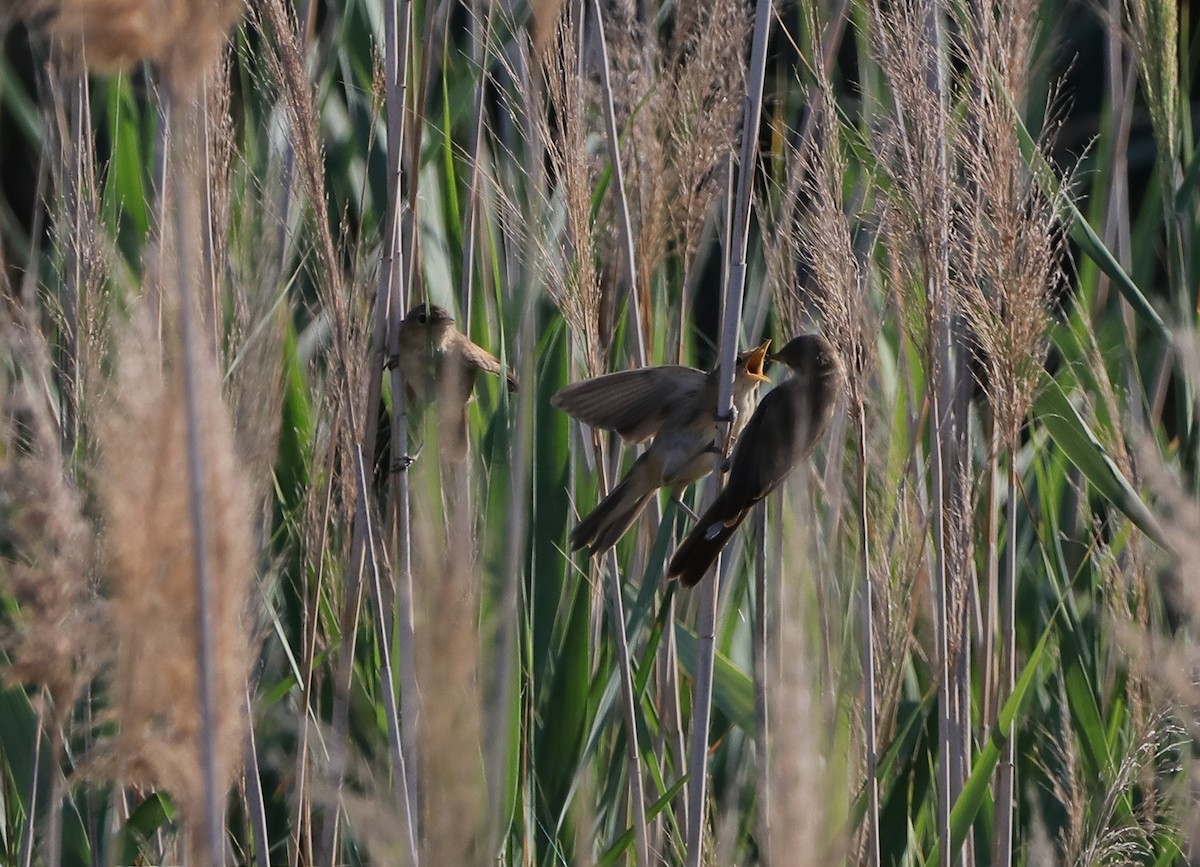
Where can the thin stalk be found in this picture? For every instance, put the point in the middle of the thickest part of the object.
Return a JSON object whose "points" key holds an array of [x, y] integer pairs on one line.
{"points": [[614, 154], [212, 814], [54, 816], [73, 286], [706, 620], [941, 402], [480, 55], [1008, 649], [254, 792], [706, 617], [762, 676], [637, 789], [867, 618], [1117, 231], [735, 287], [990, 695], [394, 295], [310, 624], [671, 710], [53, 842], [340, 713], [965, 598], [407, 806], [498, 723]]}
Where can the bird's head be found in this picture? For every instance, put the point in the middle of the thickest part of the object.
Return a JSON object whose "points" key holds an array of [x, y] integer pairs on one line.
{"points": [[429, 316], [750, 363], [808, 355]]}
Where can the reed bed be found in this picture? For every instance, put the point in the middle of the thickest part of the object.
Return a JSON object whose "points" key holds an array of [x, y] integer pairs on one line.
{"points": [[250, 612]]}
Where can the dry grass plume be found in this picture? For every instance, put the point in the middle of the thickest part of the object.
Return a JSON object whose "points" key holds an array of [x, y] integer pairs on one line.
{"points": [[143, 487]]}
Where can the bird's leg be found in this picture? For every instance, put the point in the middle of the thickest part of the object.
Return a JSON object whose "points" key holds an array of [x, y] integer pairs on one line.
{"points": [[729, 418]]}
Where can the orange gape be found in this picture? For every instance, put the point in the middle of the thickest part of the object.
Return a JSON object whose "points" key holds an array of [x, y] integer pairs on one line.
{"points": [[677, 406]]}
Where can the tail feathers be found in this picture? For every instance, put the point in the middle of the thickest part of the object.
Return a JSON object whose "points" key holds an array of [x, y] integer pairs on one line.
{"points": [[615, 514], [697, 552]]}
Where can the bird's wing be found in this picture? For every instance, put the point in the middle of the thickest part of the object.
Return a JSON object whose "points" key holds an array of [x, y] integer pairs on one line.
{"points": [[774, 441], [634, 403], [475, 357]]}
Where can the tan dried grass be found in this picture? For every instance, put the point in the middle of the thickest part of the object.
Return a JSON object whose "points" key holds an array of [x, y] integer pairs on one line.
{"points": [[144, 490], [181, 37], [57, 636]]}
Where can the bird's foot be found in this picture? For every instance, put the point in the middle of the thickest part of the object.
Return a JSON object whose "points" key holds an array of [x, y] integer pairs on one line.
{"points": [[403, 462], [391, 361]]}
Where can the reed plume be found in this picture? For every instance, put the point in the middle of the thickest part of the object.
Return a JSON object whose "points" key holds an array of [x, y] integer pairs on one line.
{"points": [[144, 491]]}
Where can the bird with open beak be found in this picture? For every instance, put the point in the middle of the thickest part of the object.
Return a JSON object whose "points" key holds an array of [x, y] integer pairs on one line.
{"points": [[677, 406], [439, 362], [789, 422]]}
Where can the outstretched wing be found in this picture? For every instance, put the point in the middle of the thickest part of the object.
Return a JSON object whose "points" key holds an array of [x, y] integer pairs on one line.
{"points": [[634, 403]]}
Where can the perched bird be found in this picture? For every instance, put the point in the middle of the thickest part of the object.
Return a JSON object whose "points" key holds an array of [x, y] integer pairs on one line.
{"points": [[677, 406], [438, 362], [788, 423]]}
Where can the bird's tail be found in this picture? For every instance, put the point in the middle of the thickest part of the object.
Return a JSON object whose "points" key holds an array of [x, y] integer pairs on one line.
{"points": [[695, 554], [607, 523]]}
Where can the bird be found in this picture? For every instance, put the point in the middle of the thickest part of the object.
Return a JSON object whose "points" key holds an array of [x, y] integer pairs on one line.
{"points": [[439, 362], [674, 404], [788, 423]]}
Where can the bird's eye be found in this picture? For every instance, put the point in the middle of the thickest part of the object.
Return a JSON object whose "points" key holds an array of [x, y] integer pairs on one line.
{"points": [[422, 318]]}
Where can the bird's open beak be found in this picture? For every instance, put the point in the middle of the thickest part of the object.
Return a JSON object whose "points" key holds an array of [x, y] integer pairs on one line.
{"points": [[754, 364]]}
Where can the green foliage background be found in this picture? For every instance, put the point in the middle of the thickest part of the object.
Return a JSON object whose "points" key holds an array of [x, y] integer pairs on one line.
{"points": [[519, 658]]}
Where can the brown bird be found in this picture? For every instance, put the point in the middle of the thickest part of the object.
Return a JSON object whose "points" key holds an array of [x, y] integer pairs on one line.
{"points": [[437, 361], [677, 406], [788, 423]]}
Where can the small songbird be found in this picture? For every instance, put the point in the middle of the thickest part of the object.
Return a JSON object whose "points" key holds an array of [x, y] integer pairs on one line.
{"points": [[788, 423], [438, 362], [677, 406]]}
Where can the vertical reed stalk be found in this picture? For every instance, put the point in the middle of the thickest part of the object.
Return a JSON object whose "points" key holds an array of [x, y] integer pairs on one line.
{"points": [[614, 154], [254, 792], [498, 728], [734, 290], [481, 56], [182, 120], [637, 790], [386, 671], [867, 625], [762, 677], [1005, 783], [53, 840], [391, 299], [941, 400]]}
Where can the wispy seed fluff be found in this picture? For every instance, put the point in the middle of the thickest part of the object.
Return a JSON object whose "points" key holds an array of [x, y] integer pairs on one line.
{"points": [[145, 495]]}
